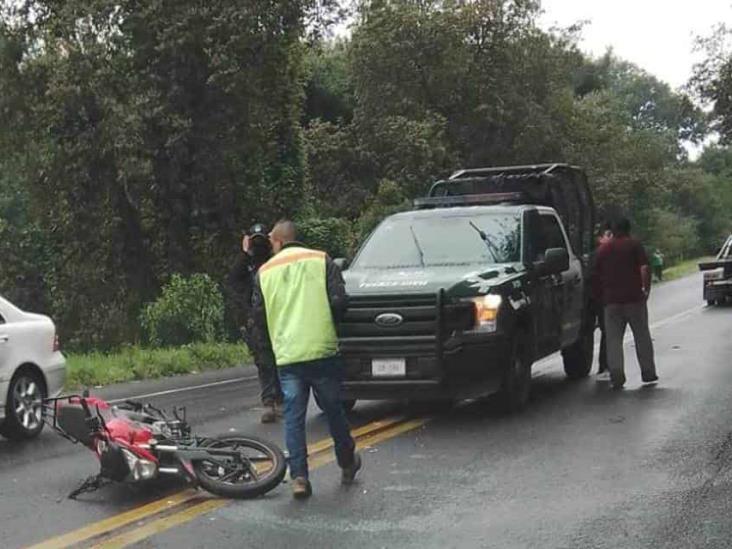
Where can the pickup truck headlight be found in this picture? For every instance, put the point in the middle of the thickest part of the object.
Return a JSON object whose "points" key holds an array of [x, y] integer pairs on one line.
{"points": [[714, 274], [486, 312]]}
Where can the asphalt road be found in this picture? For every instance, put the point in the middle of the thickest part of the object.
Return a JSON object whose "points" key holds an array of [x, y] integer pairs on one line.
{"points": [[582, 467]]}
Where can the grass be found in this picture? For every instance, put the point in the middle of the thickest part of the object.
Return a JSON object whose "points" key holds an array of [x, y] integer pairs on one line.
{"points": [[684, 268], [134, 363]]}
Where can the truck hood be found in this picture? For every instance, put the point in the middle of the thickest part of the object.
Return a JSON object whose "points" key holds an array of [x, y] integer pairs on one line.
{"points": [[456, 281]]}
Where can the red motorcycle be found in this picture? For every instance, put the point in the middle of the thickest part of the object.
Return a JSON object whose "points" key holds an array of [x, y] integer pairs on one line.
{"points": [[137, 442]]}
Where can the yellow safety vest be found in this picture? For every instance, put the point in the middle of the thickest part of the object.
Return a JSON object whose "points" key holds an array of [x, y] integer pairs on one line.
{"points": [[299, 319]]}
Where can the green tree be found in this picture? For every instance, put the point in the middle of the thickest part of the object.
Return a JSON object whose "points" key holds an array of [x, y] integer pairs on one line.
{"points": [[712, 79], [156, 131]]}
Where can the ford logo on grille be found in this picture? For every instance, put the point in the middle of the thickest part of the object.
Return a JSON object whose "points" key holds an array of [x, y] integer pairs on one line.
{"points": [[389, 319]]}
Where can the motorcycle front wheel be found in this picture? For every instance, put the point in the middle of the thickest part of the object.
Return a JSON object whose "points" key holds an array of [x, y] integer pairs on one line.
{"points": [[256, 467]]}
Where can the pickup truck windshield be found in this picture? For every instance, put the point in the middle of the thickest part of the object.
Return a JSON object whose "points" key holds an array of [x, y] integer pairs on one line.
{"points": [[445, 240]]}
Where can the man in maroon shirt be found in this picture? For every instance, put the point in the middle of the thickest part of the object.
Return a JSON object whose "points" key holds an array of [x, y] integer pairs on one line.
{"points": [[623, 283]]}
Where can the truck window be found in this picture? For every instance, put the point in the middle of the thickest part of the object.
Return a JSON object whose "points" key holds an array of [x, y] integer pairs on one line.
{"points": [[552, 230], [548, 234], [445, 239]]}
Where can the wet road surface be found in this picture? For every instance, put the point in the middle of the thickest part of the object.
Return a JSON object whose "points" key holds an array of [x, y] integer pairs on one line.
{"points": [[582, 467]]}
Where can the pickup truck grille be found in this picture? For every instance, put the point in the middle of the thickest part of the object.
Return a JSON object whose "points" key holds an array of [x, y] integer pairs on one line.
{"points": [[425, 325], [421, 320]]}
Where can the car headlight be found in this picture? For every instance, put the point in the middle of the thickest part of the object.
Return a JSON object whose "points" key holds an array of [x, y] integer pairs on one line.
{"points": [[140, 469], [714, 274], [486, 312]]}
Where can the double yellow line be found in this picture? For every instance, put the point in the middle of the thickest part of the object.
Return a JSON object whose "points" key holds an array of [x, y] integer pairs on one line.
{"points": [[158, 516]]}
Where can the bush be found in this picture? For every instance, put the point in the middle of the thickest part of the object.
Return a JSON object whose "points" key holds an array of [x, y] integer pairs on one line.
{"points": [[189, 310], [330, 234]]}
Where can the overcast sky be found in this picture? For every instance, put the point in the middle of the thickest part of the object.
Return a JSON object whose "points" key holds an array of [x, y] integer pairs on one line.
{"points": [[658, 35]]}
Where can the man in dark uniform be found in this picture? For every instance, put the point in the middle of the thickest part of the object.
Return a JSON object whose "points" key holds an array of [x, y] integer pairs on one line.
{"points": [[257, 251]]}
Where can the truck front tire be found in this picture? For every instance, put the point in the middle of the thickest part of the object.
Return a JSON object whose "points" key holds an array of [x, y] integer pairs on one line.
{"points": [[578, 357], [516, 386]]}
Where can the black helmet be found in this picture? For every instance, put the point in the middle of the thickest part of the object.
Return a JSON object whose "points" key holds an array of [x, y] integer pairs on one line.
{"points": [[258, 229]]}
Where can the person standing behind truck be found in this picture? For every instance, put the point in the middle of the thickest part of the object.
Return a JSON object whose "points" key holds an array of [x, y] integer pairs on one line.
{"points": [[257, 251], [624, 279], [299, 296], [604, 237], [657, 264]]}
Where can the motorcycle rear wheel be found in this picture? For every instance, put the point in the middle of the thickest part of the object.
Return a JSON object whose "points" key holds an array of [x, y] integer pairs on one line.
{"points": [[262, 470]]}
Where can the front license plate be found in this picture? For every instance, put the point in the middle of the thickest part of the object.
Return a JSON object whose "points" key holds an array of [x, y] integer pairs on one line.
{"points": [[388, 367]]}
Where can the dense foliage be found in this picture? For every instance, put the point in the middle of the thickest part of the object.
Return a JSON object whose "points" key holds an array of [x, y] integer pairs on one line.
{"points": [[139, 138], [189, 310]]}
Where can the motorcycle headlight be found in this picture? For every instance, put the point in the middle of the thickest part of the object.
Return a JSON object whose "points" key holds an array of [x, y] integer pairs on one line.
{"points": [[140, 469], [486, 312], [714, 274]]}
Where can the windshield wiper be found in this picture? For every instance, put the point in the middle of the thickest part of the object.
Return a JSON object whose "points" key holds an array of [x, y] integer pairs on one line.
{"points": [[416, 243], [487, 239]]}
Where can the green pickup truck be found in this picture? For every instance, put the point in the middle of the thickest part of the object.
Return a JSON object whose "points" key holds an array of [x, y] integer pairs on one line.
{"points": [[459, 297]]}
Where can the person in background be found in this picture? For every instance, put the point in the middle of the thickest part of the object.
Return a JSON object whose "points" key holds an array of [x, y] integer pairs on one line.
{"points": [[657, 264], [257, 251], [603, 237], [624, 278], [299, 296]]}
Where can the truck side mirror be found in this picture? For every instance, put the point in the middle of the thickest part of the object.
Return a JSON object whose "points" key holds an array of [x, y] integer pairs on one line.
{"points": [[341, 263], [556, 260]]}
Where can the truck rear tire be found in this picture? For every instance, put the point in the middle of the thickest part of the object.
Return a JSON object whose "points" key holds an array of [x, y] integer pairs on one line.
{"points": [[578, 357], [516, 386]]}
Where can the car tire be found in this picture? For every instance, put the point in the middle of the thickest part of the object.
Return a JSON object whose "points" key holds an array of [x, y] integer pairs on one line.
{"points": [[23, 407], [578, 357], [516, 386], [711, 302]]}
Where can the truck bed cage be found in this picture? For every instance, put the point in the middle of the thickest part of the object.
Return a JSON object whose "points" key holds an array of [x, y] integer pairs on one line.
{"points": [[561, 186]]}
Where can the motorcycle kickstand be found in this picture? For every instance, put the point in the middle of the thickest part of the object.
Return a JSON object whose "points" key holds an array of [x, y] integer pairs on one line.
{"points": [[91, 484]]}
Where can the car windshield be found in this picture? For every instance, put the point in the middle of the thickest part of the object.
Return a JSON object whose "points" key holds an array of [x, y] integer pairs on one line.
{"points": [[452, 239]]}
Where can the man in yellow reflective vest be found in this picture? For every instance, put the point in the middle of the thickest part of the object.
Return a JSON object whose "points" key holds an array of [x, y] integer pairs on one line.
{"points": [[299, 295]]}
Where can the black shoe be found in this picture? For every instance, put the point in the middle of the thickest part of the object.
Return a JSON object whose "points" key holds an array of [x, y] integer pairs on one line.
{"points": [[653, 379], [348, 474], [269, 415]]}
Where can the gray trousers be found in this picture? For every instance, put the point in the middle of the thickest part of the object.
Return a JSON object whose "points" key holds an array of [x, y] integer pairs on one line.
{"points": [[617, 317]]}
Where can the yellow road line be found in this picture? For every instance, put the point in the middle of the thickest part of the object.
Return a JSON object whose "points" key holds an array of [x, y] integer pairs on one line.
{"points": [[371, 433], [370, 427], [117, 521], [162, 524], [368, 438]]}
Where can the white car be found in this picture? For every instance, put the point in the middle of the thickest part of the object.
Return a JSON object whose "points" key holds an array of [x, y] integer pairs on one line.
{"points": [[31, 369]]}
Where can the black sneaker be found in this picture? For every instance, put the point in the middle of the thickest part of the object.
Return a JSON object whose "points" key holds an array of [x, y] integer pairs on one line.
{"points": [[653, 379], [269, 415], [348, 474]]}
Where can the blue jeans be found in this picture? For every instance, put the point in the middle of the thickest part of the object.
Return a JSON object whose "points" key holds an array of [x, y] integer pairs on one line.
{"points": [[324, 377]]}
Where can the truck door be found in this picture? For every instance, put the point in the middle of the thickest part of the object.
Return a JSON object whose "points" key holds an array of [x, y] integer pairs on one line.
{"points": [[567, 286], [545, 289]]}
